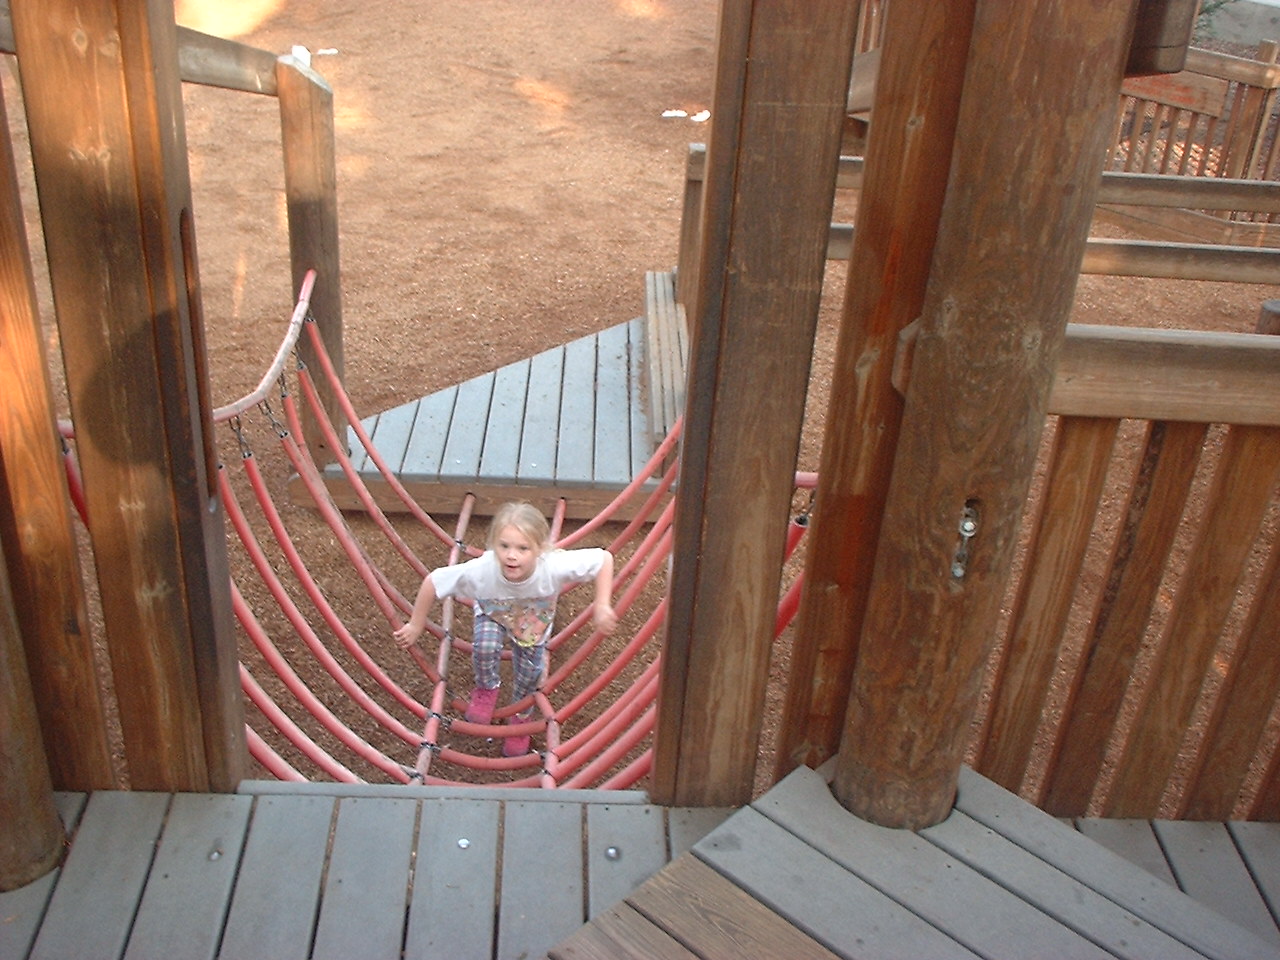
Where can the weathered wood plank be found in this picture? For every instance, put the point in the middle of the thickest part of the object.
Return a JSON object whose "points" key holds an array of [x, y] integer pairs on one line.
{"points": [[288, 837], [362, 909], [612, 463], [626, 845], [390, 436], [453, 890], [21, 910], [461, 460], [817, 895], [542, 419], [102, 879], [717, 919], [1123, 883], [501, 451], [192, 876], [575, 455], [1259, 845], [1208, 867], [1097, 690], [642, 445], [424, 454], [1078, 466], [1132, 839], [621, 933], [542, 876], [1110, 929], [687, 825], [1236, 503], [946, 892]]}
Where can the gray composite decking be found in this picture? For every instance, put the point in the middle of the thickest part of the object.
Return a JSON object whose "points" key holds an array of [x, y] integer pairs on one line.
{"points": [[578, 421], [371, 871]]}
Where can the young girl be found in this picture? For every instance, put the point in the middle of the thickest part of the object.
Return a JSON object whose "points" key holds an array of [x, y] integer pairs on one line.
{"points": [[514, 585]]}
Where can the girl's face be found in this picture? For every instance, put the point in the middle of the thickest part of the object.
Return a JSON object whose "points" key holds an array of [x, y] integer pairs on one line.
{"points": [[516, 553]]}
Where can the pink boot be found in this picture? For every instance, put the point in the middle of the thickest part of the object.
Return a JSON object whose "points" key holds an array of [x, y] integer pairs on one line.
{"points": [[518, 745], [483, 702]]}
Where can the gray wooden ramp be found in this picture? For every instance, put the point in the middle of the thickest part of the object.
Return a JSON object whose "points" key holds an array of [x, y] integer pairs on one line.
{"points": [[797, 875], [574, 421]]}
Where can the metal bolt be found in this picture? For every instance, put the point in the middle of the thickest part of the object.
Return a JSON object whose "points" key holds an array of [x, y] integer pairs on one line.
{"points": [[612, 853], [968, 526], [463, 843]]}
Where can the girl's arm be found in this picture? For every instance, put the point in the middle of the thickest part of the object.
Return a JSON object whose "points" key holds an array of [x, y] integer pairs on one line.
{"points": [[603, 617], [409, 634]]}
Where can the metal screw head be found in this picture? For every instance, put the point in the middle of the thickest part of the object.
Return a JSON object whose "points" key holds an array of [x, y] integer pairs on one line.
{"points": [[463, 843], [968, 527], [612, 853]]}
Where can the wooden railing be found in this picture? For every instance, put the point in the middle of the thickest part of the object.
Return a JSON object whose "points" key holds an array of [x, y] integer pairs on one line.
{"points": [[1137, 673]]}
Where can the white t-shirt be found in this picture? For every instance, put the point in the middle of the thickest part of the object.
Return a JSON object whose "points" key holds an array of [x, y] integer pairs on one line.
{"points": [[528, 608]]}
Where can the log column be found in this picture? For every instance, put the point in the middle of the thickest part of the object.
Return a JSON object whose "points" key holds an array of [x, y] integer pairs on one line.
{"points": [[1035, 118]]}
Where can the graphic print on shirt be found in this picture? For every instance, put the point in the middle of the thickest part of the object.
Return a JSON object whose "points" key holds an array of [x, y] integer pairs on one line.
{"points": [[527, 619]]}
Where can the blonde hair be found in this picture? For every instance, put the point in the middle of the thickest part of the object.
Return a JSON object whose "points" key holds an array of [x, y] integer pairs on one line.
{"points": [[526, 518]]}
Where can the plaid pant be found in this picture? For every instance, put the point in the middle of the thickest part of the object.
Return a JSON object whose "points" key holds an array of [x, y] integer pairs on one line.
{"points": [[487, 639]]}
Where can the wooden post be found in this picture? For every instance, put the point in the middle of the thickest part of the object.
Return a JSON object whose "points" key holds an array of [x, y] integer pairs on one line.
{"points": [[30, 831], [35, 518], [1011, 237], [781, 78], [104, 108], [311, 192], [905, 178]]}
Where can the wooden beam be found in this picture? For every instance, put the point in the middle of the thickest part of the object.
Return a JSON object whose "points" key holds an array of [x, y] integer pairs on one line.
{"points": [[995, 313], [781, 81], [311, 197], [1185, 261], [906, 175], [105, 112], [30, 831], [35, 519]]}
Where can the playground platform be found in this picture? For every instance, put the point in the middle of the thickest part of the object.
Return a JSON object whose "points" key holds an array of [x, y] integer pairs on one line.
{"points": [[325, 870], [578, 421]]}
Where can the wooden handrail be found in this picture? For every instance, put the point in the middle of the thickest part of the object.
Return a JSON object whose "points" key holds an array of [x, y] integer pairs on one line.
{"points": [[1186, 376], [202, 59]]}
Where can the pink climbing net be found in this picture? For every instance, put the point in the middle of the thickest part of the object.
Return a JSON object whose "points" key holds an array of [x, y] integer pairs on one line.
{"points": [[305, 665]]}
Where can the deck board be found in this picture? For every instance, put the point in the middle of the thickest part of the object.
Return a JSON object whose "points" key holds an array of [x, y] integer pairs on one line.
{"points": [[575, 459], [1132, 839], [626, 847], [501, 452], [542, 419], [197, 857], [542, 884], [21, 910], [1259, 846]]}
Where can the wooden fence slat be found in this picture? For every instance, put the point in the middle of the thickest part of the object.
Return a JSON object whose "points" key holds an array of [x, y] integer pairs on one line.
{"points": [[195, 866], [1055, 556], [362, 909], [1235, 727], [288, 837], [1097, 690], [453, 891], [1235, 504]]}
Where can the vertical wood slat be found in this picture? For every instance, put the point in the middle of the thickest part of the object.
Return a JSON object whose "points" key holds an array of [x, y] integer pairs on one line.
{"points": [[308, 141], [898, 212], [1135, 569], [1247, 472], [1055, 557], [104, 109], [35, 519], [977, 397], [781, 84]]}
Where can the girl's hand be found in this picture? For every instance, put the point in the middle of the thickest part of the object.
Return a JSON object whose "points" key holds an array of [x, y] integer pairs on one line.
{"points": [[408, 635], [604, 619]]}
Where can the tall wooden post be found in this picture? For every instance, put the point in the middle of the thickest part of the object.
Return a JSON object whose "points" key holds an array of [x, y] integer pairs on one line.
{"points": [[311, 195], [1035, 115], [905, 177], [30, 832], [35, 518], [104, 108], [781, 82]]}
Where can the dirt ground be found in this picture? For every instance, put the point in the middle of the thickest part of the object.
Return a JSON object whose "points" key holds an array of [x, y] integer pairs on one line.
{"points": [[506, 175]]}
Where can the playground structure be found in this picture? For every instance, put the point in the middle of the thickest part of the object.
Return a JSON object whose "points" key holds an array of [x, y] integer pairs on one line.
{"points": [[711, 690]]}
